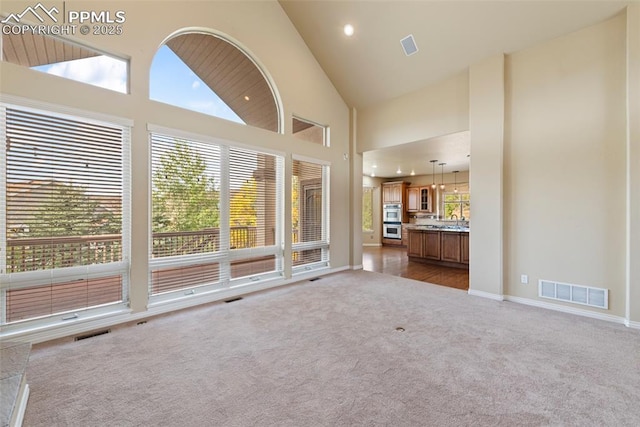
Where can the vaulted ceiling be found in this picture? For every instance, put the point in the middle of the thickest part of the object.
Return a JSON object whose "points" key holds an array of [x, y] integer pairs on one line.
{"points": [[370, 67]]}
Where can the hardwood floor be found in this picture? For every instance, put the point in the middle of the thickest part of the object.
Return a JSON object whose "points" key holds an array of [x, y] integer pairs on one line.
{"points": [[394, 261]]}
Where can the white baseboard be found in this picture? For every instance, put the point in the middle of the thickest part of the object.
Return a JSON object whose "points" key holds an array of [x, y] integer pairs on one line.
{"points": [[484, 294], [20, 407], [570, 310], [372, 245], [631, 324], [357, 267]]}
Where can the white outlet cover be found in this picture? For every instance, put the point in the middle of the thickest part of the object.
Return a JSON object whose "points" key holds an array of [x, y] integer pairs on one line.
{"points": [[524, 279]]}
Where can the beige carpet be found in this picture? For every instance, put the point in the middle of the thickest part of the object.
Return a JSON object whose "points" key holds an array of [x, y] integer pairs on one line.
{"points": [[328, 353]]}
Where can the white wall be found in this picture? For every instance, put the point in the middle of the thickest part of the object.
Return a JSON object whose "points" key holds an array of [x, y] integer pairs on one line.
{"points": [[565, 163], [439, 109], [555, 169], [486, 125], [633, 164]]}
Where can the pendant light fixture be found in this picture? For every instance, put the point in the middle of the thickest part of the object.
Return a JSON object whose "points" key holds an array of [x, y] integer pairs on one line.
{"points": [[442, 175], [455, 181], [433, 173]]}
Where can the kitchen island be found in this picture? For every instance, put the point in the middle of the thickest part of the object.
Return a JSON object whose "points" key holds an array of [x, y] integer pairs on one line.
{"points": [[442, 245]]}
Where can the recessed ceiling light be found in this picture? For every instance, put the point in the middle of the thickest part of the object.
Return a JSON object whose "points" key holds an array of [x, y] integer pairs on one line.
{"points": [[246, 97], [374, 166], [349, 30]]}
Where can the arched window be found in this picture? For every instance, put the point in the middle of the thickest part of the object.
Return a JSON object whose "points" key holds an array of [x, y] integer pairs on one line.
{"points": [[207, 73]]}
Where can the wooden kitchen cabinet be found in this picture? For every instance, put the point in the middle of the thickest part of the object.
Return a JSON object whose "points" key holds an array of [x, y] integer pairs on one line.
{"points": [[426, 199], [447, 248], [414, 244], [394, 192], [431, 242], [420, 199], [450, 246], [424, 244], [413, 199], [464, 248]]}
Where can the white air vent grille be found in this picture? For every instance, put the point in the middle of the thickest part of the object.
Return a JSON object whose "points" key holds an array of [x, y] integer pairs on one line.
{"points": [[409, 45], [585, 295]]}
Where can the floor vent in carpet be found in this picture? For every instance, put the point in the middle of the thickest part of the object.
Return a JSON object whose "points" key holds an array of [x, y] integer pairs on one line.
{"points": [[314, 279], [233, 300], [92, 334], [400, 329], [585, 295]]}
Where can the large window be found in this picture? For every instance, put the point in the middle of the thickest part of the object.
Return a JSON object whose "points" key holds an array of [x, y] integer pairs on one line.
{"points": [[307, 130], [70, 60], [367, 209], [310, 215], [64, 214], [216, 214], [457, 205], [207, 73]]}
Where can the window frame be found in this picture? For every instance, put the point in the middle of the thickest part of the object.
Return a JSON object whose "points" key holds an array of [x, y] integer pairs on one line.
{"points": [[225, 256], [367, 190], [78, 44], [324, 243], [459, 202], [54, 276], [326, 142]]}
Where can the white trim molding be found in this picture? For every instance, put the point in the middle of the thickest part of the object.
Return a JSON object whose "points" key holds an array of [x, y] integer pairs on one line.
{"points": [[631, 324], [484, 294], [569, 310]]}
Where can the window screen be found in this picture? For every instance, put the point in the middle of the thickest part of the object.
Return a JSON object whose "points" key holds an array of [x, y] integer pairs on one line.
{"points": [[66, 211]]}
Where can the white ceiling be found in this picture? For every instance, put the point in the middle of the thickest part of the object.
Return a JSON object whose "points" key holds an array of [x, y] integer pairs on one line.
{"points": [[370, 67], [450, 149]]}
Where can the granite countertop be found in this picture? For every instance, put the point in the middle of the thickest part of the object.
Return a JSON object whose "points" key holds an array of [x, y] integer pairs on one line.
{"points": [[456, 228]]}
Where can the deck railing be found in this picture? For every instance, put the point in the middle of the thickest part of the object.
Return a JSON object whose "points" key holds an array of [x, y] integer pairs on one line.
{"points": [[42, 253]]}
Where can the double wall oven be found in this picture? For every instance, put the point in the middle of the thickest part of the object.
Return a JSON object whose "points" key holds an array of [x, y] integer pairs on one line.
{"points": [[392, 221]]}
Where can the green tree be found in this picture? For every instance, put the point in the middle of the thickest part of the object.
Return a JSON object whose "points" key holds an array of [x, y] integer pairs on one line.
{"points": [[243, 205], [367, 209], [184, 197], [69, 211]]}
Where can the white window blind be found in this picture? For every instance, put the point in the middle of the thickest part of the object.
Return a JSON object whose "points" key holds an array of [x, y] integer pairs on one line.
{"points": [[255, 189], [310, 210], [185, 212], [216, 213], [65, 206]]}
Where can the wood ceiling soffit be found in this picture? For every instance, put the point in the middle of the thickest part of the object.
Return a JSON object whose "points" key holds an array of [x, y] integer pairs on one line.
{"points": [[299, 125], [31, 50], [229, 73]]}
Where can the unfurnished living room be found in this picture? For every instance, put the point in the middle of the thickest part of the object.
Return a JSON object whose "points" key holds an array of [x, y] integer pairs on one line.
{"points": [[320, 213]]}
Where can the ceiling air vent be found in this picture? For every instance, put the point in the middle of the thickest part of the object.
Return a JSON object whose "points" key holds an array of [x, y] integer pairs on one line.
{"points": [[585, 295], [409, 45]]}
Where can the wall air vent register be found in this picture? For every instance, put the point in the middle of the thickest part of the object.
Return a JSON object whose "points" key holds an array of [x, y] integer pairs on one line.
{"points": [[584, 295]]}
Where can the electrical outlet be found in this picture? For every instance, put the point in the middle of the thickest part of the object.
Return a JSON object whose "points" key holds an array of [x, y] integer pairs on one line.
{"points": [[524, 279]]}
